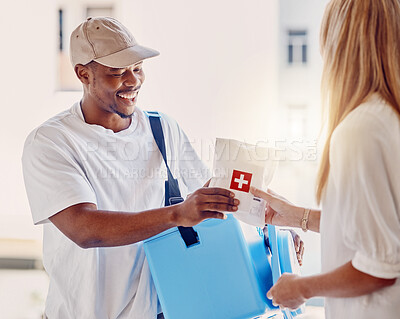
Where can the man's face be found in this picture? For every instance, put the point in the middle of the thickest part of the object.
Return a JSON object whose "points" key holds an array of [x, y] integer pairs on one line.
{"points": [[115, 90]]}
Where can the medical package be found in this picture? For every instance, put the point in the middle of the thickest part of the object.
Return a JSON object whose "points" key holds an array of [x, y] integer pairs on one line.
{"points": [[237, 166]]}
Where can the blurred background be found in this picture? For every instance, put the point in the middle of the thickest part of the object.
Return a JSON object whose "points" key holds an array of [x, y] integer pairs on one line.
{"points": [[248, 70]]}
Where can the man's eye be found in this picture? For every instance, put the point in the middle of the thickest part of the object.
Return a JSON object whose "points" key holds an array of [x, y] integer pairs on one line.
{"points": [[118, 74]]}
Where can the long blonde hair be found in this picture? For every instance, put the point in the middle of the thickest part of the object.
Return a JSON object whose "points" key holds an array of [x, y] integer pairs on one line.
{"points": [[360, 46]]}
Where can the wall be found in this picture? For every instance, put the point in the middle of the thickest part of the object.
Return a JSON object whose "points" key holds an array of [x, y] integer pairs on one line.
{"points": [[217, 67], [27, 82]]}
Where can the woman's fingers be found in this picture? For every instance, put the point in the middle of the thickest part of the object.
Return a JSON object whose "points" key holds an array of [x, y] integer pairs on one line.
{"points": [[259, 193], [269, 196]]}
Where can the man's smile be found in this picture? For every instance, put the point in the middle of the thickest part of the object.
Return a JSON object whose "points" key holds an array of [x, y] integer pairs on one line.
{"points": [[128, 96]]}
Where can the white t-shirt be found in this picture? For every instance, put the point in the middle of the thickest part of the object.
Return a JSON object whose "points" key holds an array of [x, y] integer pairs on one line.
{"points": [[360, 220], [67, 161]]}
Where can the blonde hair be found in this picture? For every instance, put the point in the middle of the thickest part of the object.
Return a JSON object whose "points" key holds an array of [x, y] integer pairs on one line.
{"points": [[360, 46]]}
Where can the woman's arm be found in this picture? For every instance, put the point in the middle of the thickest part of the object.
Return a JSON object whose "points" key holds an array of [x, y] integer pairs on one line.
{"points": [[291, 290], [281, 212]]}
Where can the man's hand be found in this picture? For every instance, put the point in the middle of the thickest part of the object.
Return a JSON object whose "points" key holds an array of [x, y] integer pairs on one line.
{"points": [[204, 203], [297, 242], [298, 246], [207, 184]]}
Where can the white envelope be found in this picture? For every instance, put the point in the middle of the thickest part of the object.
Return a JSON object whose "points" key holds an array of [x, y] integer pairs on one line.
{"points": [[237, 166]]}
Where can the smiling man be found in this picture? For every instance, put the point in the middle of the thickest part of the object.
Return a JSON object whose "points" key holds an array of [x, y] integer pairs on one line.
{"points": [[110, 93], [95, 180]]}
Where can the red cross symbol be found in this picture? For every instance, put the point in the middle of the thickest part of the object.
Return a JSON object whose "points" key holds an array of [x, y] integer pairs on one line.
{"points": [[241, 181]]}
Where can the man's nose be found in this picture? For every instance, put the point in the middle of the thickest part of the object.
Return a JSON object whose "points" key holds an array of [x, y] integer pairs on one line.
{"points": [[132, 79]]}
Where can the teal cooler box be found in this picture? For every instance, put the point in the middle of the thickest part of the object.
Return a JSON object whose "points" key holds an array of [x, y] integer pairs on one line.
{"points": [[224, 275]]}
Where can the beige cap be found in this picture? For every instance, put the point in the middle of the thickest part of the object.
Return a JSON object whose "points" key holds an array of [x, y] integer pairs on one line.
{"points": [[108, 42]]}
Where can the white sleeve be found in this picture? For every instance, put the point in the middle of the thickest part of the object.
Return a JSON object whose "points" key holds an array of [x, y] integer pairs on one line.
{"points": [[363, 172], [53, 178], [191, 168]]}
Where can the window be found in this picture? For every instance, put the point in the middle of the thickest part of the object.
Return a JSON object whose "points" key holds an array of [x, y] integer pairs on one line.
{"points": [[297, 46], [60, 30], [67, 80]]}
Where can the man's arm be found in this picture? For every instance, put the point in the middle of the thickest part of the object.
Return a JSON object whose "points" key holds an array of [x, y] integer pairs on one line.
{"points": [[291, 290], [89, 227]]}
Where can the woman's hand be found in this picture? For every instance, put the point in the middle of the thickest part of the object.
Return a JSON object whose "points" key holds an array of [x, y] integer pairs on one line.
{"points": [[287, 292], [290, 291], [279, 211]]}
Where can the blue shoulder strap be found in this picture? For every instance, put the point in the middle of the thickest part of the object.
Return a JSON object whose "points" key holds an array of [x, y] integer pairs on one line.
{"points": [[172, 192]]}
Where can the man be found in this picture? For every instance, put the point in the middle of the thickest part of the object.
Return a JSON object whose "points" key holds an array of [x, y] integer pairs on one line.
{"points": [[95, 180]]}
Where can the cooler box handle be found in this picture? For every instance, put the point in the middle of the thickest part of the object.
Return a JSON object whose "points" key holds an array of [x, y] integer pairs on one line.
{"points": [[281, 244]]}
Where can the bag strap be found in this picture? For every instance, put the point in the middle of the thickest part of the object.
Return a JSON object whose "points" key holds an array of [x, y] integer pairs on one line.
{"points": [[156, 128], [172, 192]]}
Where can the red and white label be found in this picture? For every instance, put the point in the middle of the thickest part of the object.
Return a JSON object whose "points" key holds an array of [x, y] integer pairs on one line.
{"points": [[241, 181]]}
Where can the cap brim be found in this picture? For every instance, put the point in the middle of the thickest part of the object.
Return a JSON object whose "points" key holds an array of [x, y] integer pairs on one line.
{"points": [[127, 57]]}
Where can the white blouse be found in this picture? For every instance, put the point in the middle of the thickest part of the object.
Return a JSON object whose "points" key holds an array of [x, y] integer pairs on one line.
{"points": [[360, 220]]}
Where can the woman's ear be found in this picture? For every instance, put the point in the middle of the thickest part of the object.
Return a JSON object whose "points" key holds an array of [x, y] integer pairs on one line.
{"points": [[83, 73]]}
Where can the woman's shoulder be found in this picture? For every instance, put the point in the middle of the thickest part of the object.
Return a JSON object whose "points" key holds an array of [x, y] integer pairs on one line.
{"points": [[373, 119]]}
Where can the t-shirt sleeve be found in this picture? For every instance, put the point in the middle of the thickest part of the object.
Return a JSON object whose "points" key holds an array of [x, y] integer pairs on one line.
{"points": [[364, 172], [53, 178], [192, 170]]}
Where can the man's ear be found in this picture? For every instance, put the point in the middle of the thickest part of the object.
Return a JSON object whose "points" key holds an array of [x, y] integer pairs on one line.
{"points": [[83, 73]]}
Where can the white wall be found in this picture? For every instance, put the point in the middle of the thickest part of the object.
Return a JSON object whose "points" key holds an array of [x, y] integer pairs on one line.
{"points": [[217, 67], [26, 83]]}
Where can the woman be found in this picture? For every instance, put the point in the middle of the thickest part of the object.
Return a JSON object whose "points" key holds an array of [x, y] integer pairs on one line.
{"points": [[359, 179]]}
